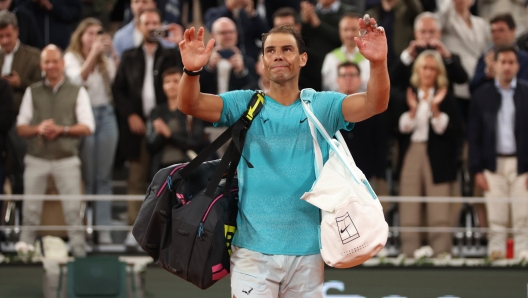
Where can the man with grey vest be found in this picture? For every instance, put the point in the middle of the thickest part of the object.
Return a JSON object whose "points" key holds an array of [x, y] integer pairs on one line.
{"points": [[54, 114]]}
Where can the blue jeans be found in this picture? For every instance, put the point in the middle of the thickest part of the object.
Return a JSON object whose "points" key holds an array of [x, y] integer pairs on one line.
{"points": [[97, 155]]}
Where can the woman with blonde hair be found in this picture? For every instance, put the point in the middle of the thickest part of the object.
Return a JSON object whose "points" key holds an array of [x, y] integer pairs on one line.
{"points": [[88, 62], [430, 129]]}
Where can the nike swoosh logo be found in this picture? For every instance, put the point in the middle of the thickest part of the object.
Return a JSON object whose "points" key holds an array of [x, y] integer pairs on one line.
{"points": [[302, 121], [343, 230], [265, 120]]}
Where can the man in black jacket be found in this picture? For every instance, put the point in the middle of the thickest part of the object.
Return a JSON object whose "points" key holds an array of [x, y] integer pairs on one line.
{"points": [[427, 35], [498, 151], [138, 88]]}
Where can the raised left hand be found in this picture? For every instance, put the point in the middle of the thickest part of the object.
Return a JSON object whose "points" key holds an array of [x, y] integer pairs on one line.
{"points": [[372, 43]]}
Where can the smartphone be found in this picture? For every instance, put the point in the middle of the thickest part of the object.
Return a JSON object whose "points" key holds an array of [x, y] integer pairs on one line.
{"points": [[159, 33], [226, 53]]}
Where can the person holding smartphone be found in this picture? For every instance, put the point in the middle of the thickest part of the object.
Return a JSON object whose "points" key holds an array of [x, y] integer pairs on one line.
{"points": [[89, 62], [227, 69]]}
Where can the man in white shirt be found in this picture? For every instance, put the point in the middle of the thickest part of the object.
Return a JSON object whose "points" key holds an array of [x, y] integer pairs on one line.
{"points": [[348, 30], [228, 69], [54, 114], [137, 89]]}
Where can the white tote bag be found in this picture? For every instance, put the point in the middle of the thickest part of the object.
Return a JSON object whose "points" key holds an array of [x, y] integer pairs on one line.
{"points": [[353, 227]]}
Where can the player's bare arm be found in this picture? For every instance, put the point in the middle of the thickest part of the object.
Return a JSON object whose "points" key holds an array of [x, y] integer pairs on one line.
{"points": [[195, 55], [372, 44]]}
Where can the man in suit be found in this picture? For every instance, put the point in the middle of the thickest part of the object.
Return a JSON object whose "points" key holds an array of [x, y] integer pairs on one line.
{"points": [[20, 66], [228, 68], [498, 151], [137, 89], [503, 30]]}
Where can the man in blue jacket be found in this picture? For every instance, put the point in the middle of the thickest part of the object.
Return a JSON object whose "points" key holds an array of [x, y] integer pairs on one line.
{"points": [[498, 151], [503, 34]]}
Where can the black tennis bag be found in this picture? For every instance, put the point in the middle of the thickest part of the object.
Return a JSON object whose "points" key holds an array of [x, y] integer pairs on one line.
{"points": [[188, 218]]}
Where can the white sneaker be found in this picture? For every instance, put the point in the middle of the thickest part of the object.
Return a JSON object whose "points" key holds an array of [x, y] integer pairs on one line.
{"points": [[130, 240], [105, 237]]}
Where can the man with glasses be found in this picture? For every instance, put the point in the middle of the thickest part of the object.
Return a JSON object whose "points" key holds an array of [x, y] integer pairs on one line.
{"points": [[228, 68]]}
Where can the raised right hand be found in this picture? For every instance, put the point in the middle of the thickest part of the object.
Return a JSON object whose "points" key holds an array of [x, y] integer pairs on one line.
{"points": [[194, 54]]}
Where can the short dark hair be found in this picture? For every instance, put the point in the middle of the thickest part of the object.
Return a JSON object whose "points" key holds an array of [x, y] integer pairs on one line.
{"points": [[154, 10], [287, 12], [170, 71], [506, 18], [8, 18], [348, 64], [506, 49], [287, 29]]}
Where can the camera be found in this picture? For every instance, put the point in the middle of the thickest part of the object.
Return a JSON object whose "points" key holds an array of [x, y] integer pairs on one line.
{"points": [[226, 53], [159, 34], [419, 50]]}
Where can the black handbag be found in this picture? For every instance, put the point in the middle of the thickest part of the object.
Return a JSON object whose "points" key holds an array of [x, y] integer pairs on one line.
{"points": [[188, 218]]}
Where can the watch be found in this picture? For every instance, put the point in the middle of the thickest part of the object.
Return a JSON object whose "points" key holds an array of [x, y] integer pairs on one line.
{"points": [[192, 73], [66, 130]]}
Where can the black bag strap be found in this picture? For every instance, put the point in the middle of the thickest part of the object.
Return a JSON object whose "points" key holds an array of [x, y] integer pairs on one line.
{"points": [[236, 132]]}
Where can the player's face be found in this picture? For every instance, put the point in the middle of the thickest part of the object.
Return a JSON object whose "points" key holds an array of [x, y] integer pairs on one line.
{"points": [[281, 59]]}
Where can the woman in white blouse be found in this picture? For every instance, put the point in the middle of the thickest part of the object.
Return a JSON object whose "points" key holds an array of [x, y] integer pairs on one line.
{"points": [[87, 63], [430, 129]]}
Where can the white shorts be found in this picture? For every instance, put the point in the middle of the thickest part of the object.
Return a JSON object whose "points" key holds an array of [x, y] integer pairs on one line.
{"points": [[254, 274]]}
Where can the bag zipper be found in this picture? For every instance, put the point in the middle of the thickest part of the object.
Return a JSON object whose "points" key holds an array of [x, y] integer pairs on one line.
{"points": [[168, 181], [200, 228]]}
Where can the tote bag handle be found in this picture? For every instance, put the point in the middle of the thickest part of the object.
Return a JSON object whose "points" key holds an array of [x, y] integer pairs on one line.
{"points": [[306, 96]]}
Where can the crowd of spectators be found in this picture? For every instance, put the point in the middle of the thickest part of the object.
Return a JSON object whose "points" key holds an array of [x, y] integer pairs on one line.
{"points": [[86, 85]]}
